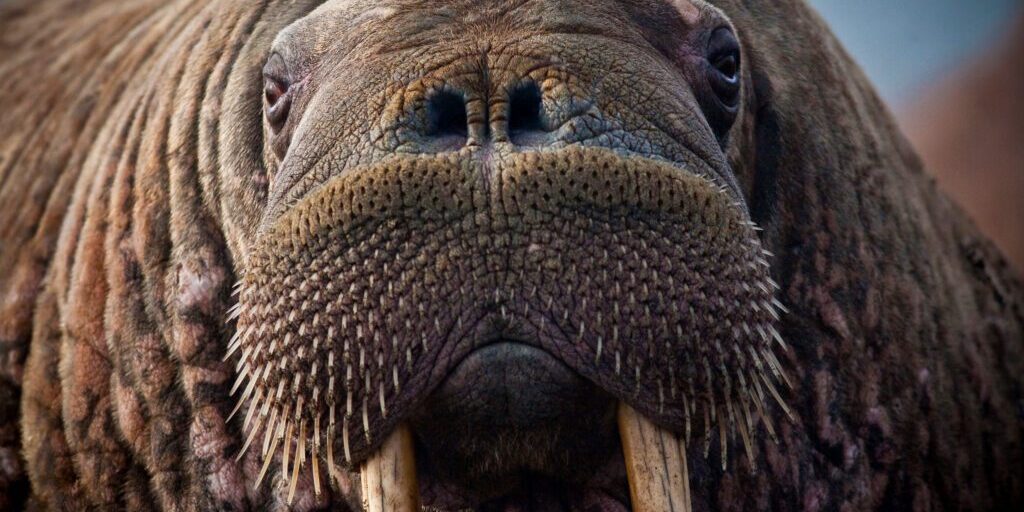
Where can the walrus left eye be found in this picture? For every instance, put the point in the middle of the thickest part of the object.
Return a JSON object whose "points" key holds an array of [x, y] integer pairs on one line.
{"points": [[276, 92], [723, 54]]}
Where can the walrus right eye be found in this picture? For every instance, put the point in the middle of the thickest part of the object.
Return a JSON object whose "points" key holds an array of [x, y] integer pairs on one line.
{"points": [[723, 54], [276, 92]]}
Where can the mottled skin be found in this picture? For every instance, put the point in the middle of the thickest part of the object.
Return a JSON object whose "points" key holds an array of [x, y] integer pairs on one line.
{"points": [[138, 184]]}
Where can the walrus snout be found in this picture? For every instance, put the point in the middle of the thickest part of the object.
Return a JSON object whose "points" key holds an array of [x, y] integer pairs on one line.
{"points": [[645, 278]]}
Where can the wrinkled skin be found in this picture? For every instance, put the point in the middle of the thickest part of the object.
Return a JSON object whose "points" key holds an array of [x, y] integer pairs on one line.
{"points": [[595, 194]]}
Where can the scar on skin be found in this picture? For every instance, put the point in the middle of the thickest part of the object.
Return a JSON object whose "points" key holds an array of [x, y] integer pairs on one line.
{"points": [[689, 11]]}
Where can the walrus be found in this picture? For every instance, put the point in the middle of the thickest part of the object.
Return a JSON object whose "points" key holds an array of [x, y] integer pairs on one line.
{"points": [[458, 255]]}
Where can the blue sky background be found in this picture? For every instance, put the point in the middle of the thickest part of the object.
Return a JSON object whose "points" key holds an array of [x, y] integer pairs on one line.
{"points": [[905, 44]]}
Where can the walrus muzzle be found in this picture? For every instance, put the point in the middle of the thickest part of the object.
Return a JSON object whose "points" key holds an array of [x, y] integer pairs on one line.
{"points": [[642, 277]]}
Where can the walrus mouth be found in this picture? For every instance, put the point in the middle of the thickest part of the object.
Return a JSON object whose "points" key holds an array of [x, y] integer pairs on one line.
{"points": [[645, 279], [654, 458]]}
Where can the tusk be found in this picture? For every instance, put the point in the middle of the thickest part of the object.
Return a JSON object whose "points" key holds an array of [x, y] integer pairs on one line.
{"points": [[389, 476], [655, 464]]}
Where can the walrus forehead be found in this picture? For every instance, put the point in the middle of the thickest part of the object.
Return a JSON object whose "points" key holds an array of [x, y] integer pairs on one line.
{"points": [[333, 22], [386, 25]]}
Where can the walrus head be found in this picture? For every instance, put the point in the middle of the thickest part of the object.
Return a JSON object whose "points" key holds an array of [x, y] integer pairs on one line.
{"points": [[496, 224], [496, 255]]}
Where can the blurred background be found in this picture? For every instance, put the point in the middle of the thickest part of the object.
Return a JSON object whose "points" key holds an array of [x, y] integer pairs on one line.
{"points": [[953, 73], [904, 45]]}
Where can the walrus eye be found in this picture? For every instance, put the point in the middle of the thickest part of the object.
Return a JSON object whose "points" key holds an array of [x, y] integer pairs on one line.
{"points": [[276, 92], [723, 55]]}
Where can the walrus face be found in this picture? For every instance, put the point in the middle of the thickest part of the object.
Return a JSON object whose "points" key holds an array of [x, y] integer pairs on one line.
{"points": [[495, 226]]}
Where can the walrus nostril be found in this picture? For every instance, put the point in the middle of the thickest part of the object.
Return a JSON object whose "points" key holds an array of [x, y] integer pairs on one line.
{"points": [[446, 115], [524, 110]]}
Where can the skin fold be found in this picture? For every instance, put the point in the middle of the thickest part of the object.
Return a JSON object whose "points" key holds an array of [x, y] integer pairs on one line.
{"points": [[445, 175]]}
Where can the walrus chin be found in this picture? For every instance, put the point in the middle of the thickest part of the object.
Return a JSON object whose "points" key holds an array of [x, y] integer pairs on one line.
{"points": [[367, 294]]}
